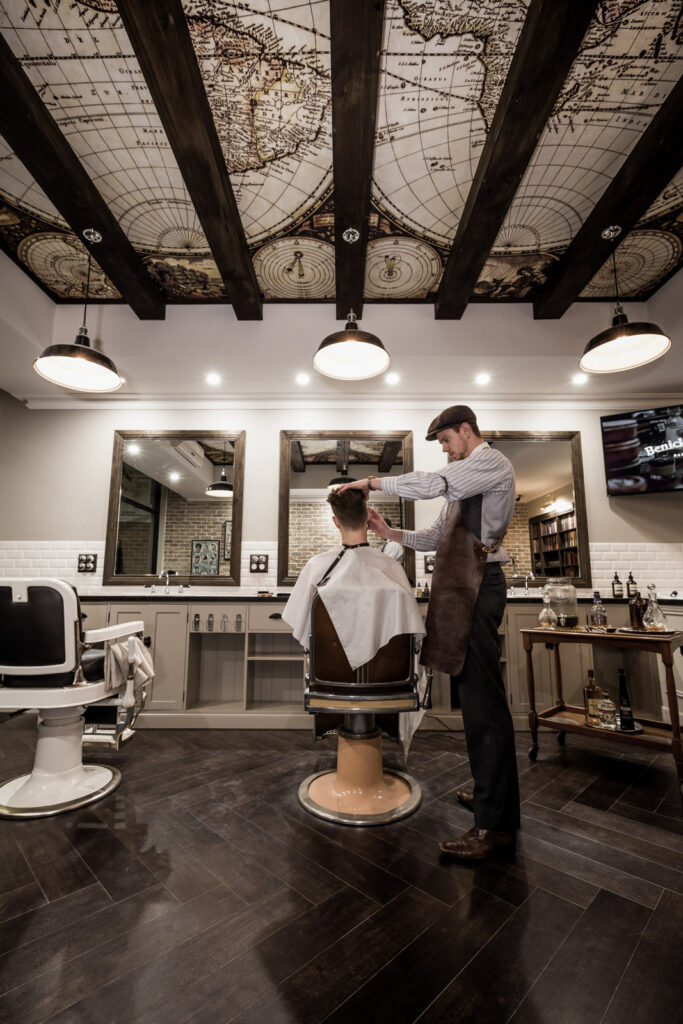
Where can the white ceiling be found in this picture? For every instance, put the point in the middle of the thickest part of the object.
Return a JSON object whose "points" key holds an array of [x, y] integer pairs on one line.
{"points": [[167, 361]]}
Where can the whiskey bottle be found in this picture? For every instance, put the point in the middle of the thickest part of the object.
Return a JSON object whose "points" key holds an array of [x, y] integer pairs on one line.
{"points": [[425, 590], [631, 586], [598, 615], [636, 610], [607, 711], [591, 695], [625, 709], [617, 587]]}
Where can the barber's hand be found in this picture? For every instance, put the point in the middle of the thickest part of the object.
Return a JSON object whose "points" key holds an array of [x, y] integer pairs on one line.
{"points": [[377, 524], [357, 485]]}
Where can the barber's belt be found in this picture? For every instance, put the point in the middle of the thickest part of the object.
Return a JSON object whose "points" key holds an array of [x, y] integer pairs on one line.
{"points": [[490, 550]]}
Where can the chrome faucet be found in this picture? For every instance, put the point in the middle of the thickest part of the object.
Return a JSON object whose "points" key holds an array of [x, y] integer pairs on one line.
{"points": [[165, 573], [528, 576]]}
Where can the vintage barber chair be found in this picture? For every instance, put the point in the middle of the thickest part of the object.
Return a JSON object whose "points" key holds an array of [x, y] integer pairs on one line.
{"points": [[359, 705], [46, 662]]}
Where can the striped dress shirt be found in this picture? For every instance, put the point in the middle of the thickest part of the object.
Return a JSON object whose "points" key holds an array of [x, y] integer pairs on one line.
{"points": [[485, 471]]}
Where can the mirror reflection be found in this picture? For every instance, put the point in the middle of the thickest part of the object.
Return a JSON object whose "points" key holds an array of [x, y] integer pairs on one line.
{"points": [[310, 464], [548, 535], [175, 506]]}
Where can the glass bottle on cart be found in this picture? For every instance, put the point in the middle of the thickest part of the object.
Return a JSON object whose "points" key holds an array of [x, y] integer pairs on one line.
{"points": [[653, 616]]}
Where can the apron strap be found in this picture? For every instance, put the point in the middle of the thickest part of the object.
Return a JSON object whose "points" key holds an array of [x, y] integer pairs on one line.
{"points": [[323, 578]]}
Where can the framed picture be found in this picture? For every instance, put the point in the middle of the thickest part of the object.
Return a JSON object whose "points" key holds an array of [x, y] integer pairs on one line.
{"points": [[227, 540], [204, 557]]}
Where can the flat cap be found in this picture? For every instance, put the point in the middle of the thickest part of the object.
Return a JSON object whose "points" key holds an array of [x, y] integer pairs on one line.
{"points": [[453, 416]]}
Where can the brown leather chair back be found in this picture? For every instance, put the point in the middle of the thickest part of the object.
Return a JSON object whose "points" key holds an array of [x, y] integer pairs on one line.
{"points": [[391, 664]]}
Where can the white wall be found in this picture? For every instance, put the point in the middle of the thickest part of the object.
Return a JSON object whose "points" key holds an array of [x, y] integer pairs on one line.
{"points": [[56, 465]]}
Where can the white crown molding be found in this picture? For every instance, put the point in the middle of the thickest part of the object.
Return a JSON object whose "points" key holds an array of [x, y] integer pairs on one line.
{"points": [[394, 403]]}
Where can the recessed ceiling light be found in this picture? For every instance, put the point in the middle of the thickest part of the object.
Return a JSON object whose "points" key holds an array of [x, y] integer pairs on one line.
{"points": [[482, 378], [303, 378], [213, 378], [174, 476], [392, 378], [579, 378], [134, 449]]}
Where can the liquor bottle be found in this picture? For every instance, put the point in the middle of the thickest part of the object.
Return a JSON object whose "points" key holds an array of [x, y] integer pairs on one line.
{"points": [[425, 590], [631, 586], [625, 709], [617, 587], [607, 711], [418, 592], [598, 615], [653, 616], [591, 695], [636, 610]]}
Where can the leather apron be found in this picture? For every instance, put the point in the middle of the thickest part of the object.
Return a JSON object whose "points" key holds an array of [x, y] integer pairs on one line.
{"points": [[458, 571]]}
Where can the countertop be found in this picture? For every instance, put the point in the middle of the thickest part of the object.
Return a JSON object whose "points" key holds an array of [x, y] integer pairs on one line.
{"points": [[240, 594]]}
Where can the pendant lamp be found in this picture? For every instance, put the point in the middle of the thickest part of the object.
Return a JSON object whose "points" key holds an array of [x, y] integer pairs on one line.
{"points": [[351, 354], [78, 366], [221, 488], [623, 346]]}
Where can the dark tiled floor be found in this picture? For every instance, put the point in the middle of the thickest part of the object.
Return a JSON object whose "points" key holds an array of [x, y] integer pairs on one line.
{"points": [[201, 891]]}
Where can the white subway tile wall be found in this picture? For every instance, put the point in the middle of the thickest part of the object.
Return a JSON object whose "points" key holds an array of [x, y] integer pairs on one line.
{"points": [[661, 564]]}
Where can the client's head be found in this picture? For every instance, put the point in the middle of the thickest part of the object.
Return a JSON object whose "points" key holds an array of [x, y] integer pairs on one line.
{"points": [[350, 508]]}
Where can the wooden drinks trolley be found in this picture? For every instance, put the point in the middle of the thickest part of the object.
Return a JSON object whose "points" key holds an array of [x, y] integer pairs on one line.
{"points": [[566, 718]]}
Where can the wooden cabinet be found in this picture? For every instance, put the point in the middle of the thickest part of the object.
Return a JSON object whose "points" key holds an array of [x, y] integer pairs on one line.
{"points": [[575, 663], [166, 626], [554, 544], [274, 677]]}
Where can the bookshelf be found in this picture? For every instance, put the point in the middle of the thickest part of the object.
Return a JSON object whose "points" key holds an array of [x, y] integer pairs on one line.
{"points": [[554, 544]]}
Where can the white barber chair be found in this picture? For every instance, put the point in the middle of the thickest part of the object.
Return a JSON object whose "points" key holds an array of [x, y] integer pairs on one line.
{"points": [[46, 663], [359, 791]]}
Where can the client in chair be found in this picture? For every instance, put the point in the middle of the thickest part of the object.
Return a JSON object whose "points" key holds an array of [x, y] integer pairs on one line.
{"points": [[367, 595], [355, 609]]}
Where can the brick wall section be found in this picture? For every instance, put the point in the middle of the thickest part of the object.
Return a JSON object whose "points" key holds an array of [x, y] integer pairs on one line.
{"points": [[516, 543], [311, 529], [134, 548], [194, 520]]}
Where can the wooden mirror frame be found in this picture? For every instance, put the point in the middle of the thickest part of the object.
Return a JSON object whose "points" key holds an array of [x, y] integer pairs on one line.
{"points": [[121, 437], [286, 437], [574, 437]]}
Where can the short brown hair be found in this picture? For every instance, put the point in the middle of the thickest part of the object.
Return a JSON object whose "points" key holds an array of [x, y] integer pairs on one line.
{"points": [[350, 508]]}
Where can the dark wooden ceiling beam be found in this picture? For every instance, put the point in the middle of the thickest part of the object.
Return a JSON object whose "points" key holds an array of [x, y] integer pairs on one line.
{"points": [[549, 42], [388, 456], [653, 162], [356, 38], [161, 40], [343, 452], [297, 457], [34, 135]]}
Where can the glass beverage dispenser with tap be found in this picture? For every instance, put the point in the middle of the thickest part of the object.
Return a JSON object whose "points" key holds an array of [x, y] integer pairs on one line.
{"points": [[561, 596]]}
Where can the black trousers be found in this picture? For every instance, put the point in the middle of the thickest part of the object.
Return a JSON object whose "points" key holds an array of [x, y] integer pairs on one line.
{"points": [[486, 716]]}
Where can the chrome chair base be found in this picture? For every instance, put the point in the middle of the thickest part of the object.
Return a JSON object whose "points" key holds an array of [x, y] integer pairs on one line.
{"points": [[343, 816], [23, 797]]}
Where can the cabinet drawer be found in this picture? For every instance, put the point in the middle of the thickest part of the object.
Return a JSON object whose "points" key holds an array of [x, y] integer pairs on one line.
{"points": [[268, 618], [227, 618]]}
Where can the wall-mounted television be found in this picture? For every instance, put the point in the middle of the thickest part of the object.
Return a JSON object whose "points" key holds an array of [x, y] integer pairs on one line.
{"points": [[643, 451]]}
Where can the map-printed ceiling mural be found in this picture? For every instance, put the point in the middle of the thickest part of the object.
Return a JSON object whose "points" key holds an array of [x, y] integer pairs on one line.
{"points": [[266, 70]]}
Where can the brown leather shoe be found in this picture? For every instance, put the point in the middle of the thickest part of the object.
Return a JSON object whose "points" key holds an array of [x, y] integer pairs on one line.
{"points": [[480, 843], [465, 798]]}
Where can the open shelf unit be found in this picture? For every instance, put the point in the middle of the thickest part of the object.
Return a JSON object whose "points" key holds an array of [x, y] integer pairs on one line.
{"points": [[554, 544]]}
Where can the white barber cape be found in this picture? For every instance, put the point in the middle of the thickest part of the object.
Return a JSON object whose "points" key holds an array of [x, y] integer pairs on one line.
{"points": [[367, 596]]}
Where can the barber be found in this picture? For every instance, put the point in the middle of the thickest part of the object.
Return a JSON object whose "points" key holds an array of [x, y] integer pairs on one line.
{"points": [[465, 611]]}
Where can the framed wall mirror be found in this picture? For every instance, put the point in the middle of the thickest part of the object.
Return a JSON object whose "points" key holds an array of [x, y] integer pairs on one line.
{"points": [[548, 535], [160, 514], [309, 461]]}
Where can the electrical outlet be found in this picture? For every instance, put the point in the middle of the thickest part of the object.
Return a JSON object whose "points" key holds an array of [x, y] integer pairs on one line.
{"points": [[258, 563], [87, 563], [429, 563]]}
